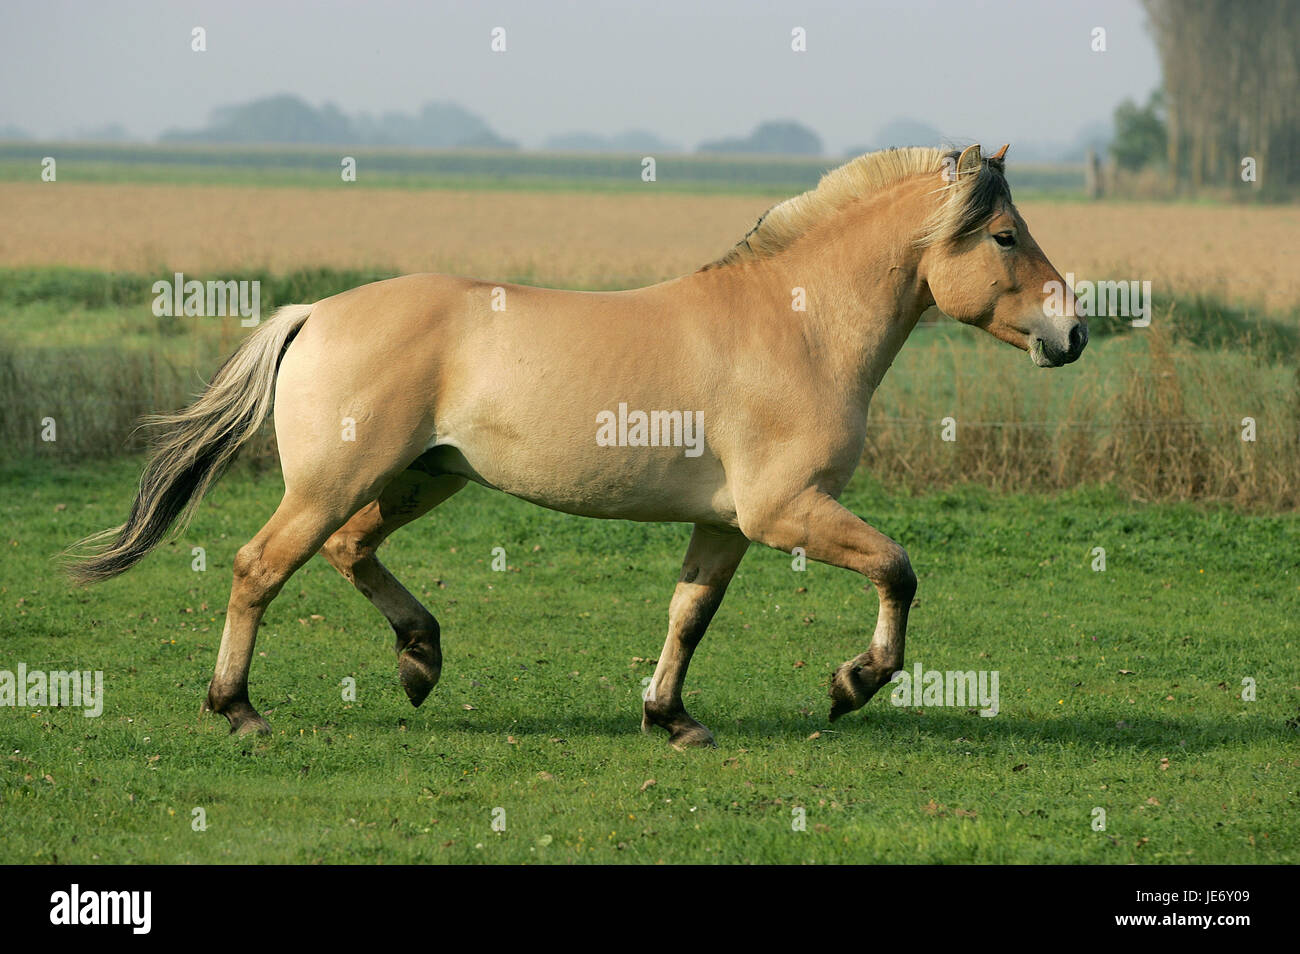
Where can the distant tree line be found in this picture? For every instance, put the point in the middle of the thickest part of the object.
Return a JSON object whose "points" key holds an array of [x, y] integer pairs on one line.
{"points": [[781, 137], [289, 119], [1231, 74]]}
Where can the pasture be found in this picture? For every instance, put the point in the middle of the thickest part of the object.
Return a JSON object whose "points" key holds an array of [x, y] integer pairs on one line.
{"points": [[1120, 690]]}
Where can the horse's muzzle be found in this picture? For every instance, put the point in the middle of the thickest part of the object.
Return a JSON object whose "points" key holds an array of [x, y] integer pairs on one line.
{"points": [[1052, 354]]}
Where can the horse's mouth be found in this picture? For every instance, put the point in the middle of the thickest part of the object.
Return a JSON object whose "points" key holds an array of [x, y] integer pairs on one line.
{"points": [[1039, 354]]}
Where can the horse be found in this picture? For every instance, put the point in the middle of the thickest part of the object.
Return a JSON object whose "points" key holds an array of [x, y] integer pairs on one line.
{"points": [[390, 397]]}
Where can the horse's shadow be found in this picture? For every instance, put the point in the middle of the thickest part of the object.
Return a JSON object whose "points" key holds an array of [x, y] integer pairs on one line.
{"points": [[1111, 732]]}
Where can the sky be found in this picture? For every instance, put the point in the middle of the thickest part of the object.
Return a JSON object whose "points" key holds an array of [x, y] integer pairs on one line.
{"points": [[687, 70]]}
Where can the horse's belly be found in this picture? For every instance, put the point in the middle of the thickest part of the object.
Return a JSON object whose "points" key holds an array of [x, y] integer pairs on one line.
{"points": [[627, 483]]}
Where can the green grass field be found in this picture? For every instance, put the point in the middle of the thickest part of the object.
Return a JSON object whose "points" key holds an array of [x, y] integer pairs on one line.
{"points": [[1120, 690]]}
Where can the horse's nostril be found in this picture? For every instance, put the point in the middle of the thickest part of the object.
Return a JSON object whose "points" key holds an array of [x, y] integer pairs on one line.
{"points": [[1078, 338]]}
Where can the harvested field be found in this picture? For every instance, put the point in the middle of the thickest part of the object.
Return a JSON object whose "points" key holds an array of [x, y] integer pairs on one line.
{"points": [[1237, 253]]}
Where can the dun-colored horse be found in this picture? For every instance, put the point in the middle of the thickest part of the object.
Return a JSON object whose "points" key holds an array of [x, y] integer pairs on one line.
{"points": [[734, 399]]}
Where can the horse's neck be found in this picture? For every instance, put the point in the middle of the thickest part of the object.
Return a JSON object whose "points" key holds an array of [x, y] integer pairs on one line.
{"points": [[862, 290]]}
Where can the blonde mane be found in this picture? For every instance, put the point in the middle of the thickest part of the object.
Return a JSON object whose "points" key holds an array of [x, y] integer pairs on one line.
{"points": [[968, 199]]}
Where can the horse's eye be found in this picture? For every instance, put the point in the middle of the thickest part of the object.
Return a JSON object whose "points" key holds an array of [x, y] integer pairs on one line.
{"points": [[1005, 239]]}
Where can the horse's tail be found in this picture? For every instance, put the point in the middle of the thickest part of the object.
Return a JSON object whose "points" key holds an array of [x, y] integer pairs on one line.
{"points": [[192, 448]]}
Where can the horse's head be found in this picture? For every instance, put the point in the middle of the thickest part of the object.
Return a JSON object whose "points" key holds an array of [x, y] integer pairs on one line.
{"points": [[984, 268]]}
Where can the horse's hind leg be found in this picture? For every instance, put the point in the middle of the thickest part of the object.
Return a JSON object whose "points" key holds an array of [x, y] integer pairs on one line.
{"points": [[290, 538], [351, 551], [711, 560]]}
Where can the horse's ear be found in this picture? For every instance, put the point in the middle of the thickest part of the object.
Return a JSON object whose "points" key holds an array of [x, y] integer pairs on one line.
{"points": [[969, 161], [1001, 153]]}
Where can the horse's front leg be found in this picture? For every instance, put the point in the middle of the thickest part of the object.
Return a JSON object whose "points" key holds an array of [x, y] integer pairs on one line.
{"points": [[829, 533], [711, 560]]}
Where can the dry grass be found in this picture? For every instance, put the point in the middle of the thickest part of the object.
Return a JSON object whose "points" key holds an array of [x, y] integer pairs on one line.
{"points": [[565, 239], [1158, 418], [1233, 252], [572, 239]]}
